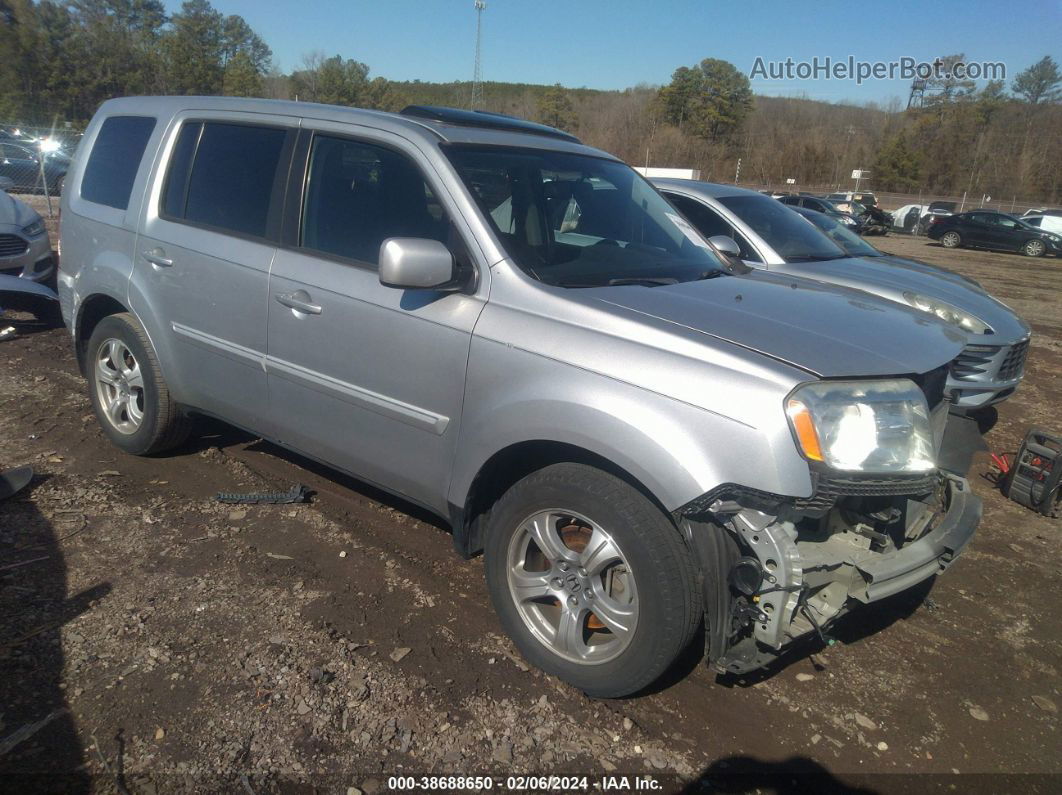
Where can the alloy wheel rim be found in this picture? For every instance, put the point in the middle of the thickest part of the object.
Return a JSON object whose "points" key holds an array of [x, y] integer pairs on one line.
{"points": [[1034, 247], [120, 386], [572, 586], [951, 240]]}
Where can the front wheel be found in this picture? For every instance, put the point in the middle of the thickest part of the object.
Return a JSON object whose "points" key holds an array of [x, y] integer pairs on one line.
{"points": [[129, 395], [950, 240], [590, 579], [1033, 248]]}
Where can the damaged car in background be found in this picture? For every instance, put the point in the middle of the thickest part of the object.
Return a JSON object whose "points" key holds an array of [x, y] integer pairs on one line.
{"points": [[764, 235], [25, 249], [525, 338]]}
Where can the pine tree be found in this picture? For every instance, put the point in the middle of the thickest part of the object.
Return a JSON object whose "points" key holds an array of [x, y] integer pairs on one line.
{"points": [[1041, 82]]}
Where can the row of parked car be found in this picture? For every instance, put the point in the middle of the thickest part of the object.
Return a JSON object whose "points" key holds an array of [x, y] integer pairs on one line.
{"points": [[650, 408], [1036, 233]]}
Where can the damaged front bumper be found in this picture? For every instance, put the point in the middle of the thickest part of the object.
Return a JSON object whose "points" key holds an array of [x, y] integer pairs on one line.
{"points": [[818, 559]]}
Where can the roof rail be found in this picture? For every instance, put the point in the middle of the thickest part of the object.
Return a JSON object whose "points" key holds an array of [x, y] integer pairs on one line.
{"points": [[482, 118]]}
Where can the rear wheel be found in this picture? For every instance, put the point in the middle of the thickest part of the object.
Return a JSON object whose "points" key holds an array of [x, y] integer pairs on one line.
{"points": [[128, 393], [951, 240], [1033, 248], [590, 579]]}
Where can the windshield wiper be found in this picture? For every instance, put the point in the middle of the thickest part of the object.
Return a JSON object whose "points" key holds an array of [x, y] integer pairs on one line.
{"points": [[647, 281], [811, 258]]}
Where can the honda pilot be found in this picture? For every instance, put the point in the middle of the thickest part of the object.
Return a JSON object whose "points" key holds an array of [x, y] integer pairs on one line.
{"points": [[518, 333]]}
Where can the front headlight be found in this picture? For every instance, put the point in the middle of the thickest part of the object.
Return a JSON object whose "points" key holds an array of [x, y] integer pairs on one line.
{"points": [[947, 313], [863, 426], [34, 229]]}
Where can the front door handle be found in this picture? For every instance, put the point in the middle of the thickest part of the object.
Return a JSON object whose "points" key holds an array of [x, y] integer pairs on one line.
{"points": [[299, 301], [157, 257]]}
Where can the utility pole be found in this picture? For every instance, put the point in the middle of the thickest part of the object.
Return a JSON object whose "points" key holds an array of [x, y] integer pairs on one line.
{"points": [[477, 72]]}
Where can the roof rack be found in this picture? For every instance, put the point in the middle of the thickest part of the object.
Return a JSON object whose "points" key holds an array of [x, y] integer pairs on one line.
{"points": [[482, 118]]}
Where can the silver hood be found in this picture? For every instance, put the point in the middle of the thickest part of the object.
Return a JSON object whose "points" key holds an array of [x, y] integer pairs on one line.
{"points": [[924, 267], [825, 330], [16, 213], [889, 279]]}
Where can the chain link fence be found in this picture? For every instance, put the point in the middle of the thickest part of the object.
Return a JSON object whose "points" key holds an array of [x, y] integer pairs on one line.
{"points": [[34, 162]]}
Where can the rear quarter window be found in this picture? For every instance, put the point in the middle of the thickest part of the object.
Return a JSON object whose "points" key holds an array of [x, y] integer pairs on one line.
{"points": [[114, 160]]}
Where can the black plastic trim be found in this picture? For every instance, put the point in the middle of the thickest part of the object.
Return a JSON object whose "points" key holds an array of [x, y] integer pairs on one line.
{"points": [[487, 120]]}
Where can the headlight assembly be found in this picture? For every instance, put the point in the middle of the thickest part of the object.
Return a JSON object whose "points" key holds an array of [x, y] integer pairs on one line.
{"points": [[872, 427], [34, 229], [947, 313]]}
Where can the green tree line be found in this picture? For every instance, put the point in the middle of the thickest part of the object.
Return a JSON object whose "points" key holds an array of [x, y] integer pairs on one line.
{"points": [[59, 60]]}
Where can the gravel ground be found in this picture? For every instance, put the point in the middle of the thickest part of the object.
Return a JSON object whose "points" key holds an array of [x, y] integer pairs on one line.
{"points": [[180, 644]]}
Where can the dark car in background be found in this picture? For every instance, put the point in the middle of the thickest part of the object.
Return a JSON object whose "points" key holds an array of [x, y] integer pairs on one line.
{"points": [[993, 230], [21, 163], [820, 205], [937, 209]]}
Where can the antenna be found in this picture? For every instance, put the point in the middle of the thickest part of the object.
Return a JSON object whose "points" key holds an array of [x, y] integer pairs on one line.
{"points": [[477, 74]]}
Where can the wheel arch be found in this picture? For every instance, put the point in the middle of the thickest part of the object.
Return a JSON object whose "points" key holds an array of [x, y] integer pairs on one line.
{"points": [[92, 309], [519, 459]]}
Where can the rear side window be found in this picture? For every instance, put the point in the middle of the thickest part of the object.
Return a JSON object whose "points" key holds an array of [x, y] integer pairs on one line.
{"points": [[115, 158], [222, 175]]}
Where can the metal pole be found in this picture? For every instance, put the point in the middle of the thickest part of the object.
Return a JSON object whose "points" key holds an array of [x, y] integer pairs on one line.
{"points": [[44, 182], [737, 174]]}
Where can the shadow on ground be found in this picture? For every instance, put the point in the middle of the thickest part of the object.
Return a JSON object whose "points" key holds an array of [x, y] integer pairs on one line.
{"points": [[793, 775], [40, 749]]}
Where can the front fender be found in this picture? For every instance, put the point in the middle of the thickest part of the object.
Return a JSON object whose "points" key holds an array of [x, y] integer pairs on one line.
{"points": [[676, 450]]}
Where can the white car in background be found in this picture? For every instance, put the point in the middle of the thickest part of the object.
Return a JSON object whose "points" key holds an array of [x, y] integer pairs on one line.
{"points": [[25, 249], [1049, 223]]}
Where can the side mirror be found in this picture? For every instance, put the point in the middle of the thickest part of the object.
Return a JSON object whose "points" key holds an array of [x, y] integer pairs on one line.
{"points": [[413, 263], [726, 245]]}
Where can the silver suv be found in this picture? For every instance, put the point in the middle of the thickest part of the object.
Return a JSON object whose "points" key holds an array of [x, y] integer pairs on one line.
{"points": [[519, 333]]}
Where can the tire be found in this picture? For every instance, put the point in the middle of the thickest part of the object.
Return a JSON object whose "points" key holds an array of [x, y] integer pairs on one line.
{"points": [[951, 239], [124, 376], [641, 577], [1033, 248]]}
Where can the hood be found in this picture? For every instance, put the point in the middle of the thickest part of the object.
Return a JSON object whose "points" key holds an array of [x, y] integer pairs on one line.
{"points": [[890, 277], [924, 267], [16, 213], [822, 329]]}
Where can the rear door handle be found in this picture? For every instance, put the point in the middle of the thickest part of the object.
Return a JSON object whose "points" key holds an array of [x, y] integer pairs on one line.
{"points": [[157, 257], [299, 301]]}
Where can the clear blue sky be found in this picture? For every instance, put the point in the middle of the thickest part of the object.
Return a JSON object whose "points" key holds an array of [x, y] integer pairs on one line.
{"points": [[613, 44]]}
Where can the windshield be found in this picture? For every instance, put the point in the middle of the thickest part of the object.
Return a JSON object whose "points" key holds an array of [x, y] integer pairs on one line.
{"points": [[840, 234], [577, 221], [783, 229]]}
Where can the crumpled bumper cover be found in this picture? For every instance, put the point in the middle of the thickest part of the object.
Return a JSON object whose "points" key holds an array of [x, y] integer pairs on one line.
{"points": [[918, 560]]}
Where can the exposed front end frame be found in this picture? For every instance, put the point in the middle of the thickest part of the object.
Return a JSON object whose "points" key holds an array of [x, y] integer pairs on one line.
{"points": [[778, 570]]}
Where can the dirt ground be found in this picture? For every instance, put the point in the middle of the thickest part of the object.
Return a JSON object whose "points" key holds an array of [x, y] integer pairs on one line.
{"points": [[180, 644]]}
